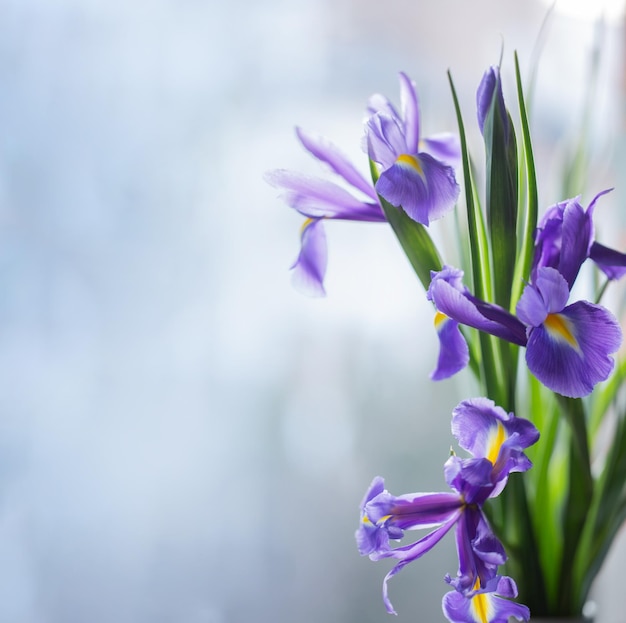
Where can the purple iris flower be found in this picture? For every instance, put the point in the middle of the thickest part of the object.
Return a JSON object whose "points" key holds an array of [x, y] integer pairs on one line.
{"points": [[490, 604], [417, 176], [568, 347], [318, 199], [496, 440], [565, 239]]}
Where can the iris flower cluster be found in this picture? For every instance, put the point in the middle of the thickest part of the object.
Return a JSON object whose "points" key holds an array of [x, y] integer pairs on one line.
{"points": [[496, 441], [568, 346]]}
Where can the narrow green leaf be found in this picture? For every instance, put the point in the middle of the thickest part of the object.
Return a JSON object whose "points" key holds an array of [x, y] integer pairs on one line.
{"points": [[522, 268], [491, 358], [415, 241], [414, 238], [580, 493]]}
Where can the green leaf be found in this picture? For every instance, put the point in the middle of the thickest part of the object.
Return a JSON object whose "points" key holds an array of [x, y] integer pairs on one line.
{"points": [[522, 268], [413, 237], [415, 241], [579, 496]]}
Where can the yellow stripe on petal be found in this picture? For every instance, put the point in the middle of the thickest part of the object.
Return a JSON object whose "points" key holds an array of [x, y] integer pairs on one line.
{"points": [[439, 319], [410, 161], [496, 438], [559, 327], [481, 608]]}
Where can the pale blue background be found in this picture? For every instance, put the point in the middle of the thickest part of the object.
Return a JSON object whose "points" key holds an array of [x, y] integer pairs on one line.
{"points": [[183, 438]]}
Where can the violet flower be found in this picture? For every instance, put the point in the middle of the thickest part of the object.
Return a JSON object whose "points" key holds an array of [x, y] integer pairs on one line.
{"points": [[496, 440], [485, 605], [417, 176], [568, 347], [565, 239], [319, 199]]}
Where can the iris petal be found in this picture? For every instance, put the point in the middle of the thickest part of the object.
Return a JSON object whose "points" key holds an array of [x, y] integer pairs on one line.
{"points": [[453, 349], [322, 149], [573, 371], [310, 266], [425, 189]]}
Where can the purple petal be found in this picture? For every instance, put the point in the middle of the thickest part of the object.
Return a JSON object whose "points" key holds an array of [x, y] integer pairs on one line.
{"points": [[414, 551], [410, 113], [310, 266], [460, 307], [490, 86], [470, 477], [612, 263], [417, 510], [315, 197], [548, 295], [483, 607], [325, 151], [479, 551], [453, 349], [444, 147], [385, 139], [378, 103], [577, 235], [571, 351], [424, 187]]}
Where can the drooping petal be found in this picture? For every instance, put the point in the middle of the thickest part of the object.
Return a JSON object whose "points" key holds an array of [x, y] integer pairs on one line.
{"points": [[322, 149], [459, 306], [484, 606], [315, 197], [412, 552], [453, 349], [410, 113], [309, 268], [424, 187], [571, 351], [612, 263]]}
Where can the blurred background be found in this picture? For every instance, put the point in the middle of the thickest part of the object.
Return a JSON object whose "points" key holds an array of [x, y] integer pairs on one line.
{"points": [[183, 437]]}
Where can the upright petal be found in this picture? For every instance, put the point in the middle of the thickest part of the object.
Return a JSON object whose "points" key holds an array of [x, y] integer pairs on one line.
{"points": [[548, 295], [577, 236], [309, 268], [571, 351], [385, 139], [410, 113], [488, 431]]}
